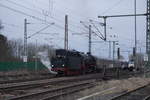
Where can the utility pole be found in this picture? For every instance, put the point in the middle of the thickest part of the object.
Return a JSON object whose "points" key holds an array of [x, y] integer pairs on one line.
{"points": [[36, 57], [148, 30], [66, 33], [118, 56], [135, 15], [114, 43], [109, 49], [114, 47], [116, 16], [25, 58], [135, 59], [90, 39], [105, 27], [135, 25]]}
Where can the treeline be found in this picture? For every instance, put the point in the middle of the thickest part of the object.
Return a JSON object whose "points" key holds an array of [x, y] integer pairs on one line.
{"points": [[13, 50], [5, 53]]}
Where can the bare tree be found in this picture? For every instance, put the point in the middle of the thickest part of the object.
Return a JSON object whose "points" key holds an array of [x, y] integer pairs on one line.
{"points": [[4, 48], [16, 48]]}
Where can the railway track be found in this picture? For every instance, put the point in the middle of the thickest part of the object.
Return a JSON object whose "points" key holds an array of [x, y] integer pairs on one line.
{"points": [[147, 98], [51, 94], [141, 93], [24, 80], [24, 77], [47, 76], [43, 82], [39, 83]]}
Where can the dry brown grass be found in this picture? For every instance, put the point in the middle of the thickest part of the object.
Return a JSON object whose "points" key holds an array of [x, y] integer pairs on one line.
{"points": [[121, 85]]}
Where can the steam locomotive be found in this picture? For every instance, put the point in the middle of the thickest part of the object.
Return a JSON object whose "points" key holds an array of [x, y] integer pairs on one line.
{"points": [[67, 62], [72, 62]]}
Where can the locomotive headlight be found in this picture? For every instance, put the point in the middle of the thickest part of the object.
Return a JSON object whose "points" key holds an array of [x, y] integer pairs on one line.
{"points": [[52, 65], [63, 65]]}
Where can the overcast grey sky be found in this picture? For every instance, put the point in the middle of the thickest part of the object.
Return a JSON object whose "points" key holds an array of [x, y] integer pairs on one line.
{"points": [[77, 10]]}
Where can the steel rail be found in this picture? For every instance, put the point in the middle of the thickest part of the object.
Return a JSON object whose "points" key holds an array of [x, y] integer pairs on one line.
{"points": [[38, 83], [127, 93], [70, 91], [147, 98], [48, 91]]}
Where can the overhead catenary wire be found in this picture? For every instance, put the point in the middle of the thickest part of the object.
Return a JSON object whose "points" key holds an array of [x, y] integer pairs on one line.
{"points": [[60, 26], [113, 6], [71, 10], [35, 17], [20, 5], [92, 30], [16, 26], [51, 17], [39, 31], [32, 16], [54, 18], [23, 13], [97, 29]]}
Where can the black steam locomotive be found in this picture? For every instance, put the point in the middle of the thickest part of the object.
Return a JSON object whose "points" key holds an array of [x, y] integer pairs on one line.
{"points": [[69, 62]]}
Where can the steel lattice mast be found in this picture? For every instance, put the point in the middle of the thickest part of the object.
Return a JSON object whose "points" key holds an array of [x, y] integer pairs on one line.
{"points": [[148, 30]]}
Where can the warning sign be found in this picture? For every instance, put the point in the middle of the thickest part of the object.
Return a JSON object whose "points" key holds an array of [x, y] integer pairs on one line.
{"points": [[25, 59]]}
